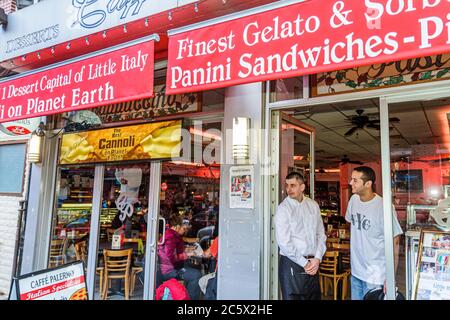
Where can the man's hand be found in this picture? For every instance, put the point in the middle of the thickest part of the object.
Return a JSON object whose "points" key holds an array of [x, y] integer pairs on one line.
{"points": [[312, 266]]}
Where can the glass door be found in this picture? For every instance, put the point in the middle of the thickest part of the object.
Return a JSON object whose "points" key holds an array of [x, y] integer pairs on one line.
{"points": [[296, 152], [122, 237]]}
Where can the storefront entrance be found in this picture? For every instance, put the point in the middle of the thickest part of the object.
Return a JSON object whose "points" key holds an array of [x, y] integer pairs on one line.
{"points": [[409, 153], [324, 143]]}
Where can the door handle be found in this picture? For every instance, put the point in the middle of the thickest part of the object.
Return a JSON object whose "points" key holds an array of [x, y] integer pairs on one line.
{"points": [[164, 231], [152, 244]]}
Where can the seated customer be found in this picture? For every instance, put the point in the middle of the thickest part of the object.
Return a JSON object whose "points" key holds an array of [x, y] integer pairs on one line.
{"points": [[208, 283], [172, 257]]}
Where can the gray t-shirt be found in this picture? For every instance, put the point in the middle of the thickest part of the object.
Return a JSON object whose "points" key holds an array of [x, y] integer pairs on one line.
{"points": [[368, 260]]}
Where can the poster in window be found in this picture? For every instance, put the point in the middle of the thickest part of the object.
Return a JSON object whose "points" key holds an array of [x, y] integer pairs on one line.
{"points": [[241, 187], [432, 281]]}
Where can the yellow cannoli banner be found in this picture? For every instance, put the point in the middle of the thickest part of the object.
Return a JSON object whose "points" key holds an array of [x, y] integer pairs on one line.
{"points": [[149, 141]]}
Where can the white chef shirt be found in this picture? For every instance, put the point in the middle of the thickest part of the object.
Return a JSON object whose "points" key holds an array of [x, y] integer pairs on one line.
{"points": [[299, 230], [367, 256]]}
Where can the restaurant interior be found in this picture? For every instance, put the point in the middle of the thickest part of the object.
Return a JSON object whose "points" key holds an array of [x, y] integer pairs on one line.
{"points": [[347, 135], [189, 190]]}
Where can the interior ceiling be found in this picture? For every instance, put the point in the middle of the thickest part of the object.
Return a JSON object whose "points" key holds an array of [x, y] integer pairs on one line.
{"points": [[421, 134]]}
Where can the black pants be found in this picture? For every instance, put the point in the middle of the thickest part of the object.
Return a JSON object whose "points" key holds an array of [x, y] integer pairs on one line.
{"points": [[295, 283]]}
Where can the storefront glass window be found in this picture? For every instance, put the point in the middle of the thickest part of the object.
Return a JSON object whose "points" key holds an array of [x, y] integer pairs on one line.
{"points": [[420, 171], [12, 167], [189, 204], [72, 216], [286, 89]]}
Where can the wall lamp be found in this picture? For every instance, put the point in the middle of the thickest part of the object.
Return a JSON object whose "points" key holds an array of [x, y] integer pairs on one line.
{"points": [[35, 144], [241, 138]]}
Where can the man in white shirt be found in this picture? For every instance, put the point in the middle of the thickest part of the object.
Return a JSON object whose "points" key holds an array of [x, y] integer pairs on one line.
{"points": [[365, 214], [302, 241]]}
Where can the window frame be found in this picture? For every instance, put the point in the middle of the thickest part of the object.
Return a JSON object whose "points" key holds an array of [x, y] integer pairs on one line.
{"points": [[25, 142]]}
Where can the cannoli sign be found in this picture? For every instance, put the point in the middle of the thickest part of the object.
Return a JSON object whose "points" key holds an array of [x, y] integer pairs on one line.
{"points": [[149, 141]]}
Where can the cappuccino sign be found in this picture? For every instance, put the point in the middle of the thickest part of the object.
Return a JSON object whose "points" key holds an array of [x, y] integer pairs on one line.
{"points": [[158, 106]]}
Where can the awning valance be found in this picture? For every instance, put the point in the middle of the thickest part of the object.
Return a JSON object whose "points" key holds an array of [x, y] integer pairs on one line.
{"points": [[294, 38], [109, 76]]}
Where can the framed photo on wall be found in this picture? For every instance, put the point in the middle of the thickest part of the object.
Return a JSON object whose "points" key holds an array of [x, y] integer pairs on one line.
{"points": [[432, 280]]}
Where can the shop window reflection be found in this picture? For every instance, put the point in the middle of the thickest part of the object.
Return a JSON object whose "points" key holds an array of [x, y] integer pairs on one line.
{"points": [[286, 89], [420, 153], [189, 202], [72, 216]]}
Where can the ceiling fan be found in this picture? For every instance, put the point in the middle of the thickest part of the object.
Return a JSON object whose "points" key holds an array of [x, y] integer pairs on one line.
{"points": [[360, 121], [346, 160]]}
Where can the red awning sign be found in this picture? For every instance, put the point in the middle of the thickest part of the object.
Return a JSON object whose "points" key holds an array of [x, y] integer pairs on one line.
{"points": [[305, 38], [119, 74]]}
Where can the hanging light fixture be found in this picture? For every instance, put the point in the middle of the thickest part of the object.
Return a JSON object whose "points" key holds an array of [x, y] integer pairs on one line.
{"points": [[35, 144], [241, 143]]}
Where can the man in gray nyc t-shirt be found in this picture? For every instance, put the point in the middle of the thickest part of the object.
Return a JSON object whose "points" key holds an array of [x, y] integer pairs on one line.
{"points": [[365, 214]]}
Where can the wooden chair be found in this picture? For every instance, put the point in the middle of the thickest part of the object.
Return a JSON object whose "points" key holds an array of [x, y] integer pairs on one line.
{"points": [[331, 241], [117, 266], [100, 271], [109, 234], [345, 257], [57, 252], [81, 251], [329, 271], [134, 272]]}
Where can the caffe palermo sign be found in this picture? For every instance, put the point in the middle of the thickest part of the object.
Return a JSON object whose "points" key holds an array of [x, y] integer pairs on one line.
{"points": [[306, 37], [106, 77], [66, 282], [149, 141]]}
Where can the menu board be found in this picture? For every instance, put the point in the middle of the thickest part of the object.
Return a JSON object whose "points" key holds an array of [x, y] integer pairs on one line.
{"points": [[66, 282], [156, 140], [433, 268]]}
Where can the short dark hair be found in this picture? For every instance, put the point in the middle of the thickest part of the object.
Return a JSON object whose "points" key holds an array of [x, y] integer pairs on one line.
{"points": [[297, 176], [367, 174]]}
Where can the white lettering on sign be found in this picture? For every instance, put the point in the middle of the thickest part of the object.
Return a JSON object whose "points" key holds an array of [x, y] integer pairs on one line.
{"points": [[104, 79], [306, 38]]}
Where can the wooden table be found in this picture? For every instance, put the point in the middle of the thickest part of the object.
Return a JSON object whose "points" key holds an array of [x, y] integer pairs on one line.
{"points": [[190, 240]]}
